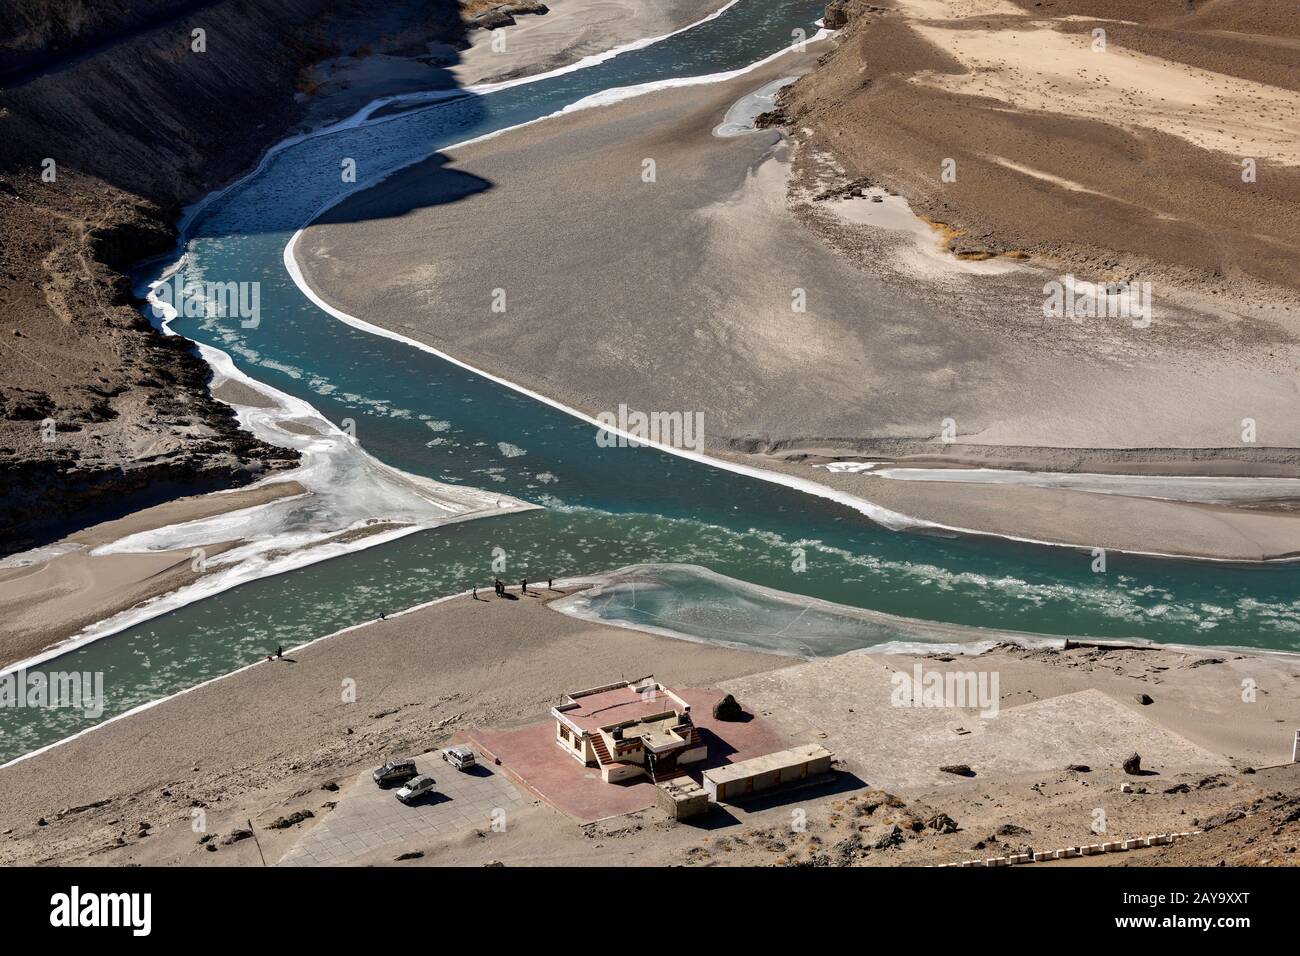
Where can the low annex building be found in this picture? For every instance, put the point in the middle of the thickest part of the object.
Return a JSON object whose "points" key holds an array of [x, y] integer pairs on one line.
{"points": [[629, 730]]}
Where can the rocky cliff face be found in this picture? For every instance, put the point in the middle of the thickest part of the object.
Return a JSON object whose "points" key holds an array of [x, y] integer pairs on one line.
{"points": [[113, 115]]}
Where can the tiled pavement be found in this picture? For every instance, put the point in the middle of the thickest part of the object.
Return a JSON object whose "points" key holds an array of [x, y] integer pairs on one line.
{"points": [[368, 817]]}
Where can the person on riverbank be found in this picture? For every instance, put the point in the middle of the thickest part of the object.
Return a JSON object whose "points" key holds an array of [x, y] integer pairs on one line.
{"points": [[523, 586]]}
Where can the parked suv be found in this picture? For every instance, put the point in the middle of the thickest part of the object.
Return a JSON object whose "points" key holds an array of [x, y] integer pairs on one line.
{"points": [[460, 757], [395, 771], [415, 789]]}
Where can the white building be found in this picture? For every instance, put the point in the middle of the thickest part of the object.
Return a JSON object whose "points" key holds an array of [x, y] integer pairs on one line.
{"points": [[629, 730]]}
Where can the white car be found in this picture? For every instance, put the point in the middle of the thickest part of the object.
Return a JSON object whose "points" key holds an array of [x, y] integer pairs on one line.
{"points": [[460, 757], [415, 789]]}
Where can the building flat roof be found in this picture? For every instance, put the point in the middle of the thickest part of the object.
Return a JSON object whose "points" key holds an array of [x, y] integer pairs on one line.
{"points": [[781, 760], [617, 706]]}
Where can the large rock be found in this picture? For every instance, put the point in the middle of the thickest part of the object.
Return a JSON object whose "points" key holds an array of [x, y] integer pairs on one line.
{"points": [[1133, 765], [891, 837], [943, 823], [1219, 819], [503, 15], [728, 709], [492, 19]]}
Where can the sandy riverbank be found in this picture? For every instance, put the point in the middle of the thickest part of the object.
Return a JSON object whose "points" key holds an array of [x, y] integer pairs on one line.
{"points": [[677, 294], [262, 743], [419, 678], [1243, 531], [49, 596]]}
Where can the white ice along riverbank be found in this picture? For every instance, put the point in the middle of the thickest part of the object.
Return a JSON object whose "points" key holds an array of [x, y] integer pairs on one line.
{"points": [[693, 603], [350, 501], [740, 118], [1189, 488]]}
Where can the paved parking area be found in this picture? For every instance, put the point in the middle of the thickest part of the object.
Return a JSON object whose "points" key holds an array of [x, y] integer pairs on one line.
{"points": [[367, 817]]}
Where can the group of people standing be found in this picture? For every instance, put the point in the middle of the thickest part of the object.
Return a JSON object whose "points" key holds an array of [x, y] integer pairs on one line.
{"points": [[500, 587]]}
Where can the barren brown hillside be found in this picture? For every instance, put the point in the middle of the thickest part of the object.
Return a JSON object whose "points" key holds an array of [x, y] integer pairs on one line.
{"points": [[1118, 154]]}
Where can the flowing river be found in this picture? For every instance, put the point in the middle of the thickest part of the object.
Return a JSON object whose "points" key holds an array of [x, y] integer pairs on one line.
{"points": [[604, 508]]}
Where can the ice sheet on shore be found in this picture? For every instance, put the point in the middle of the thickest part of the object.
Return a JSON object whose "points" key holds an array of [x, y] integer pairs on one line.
{"points": [[1202, 489], [740, 118], [696, 604]]}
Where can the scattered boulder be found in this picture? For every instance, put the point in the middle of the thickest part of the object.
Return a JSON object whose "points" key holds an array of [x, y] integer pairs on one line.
{"points": [[409, 855], [728, 709], [503, 14], [847, 851], [1143, 699], [1011, 829], [1219, 819], [943, 823], [1079, 768], [234, 836], [1179, 788], [331, 786], [958, 769], [292, 819], [892, 837], [1133, 764], [492, 19]]}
